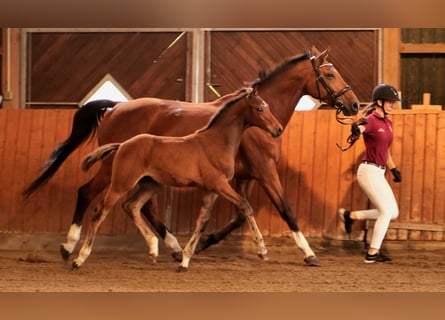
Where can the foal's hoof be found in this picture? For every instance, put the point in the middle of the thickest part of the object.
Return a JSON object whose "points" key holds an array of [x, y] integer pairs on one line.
{"points": [[75, 266], [263, 256], [177, 256], [182, 269], [153, 258], [65, 253], [312, 261]]}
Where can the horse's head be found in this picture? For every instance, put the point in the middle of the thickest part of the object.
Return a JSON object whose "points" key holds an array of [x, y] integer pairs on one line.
{"points": [[260, 114], [329, 85]]}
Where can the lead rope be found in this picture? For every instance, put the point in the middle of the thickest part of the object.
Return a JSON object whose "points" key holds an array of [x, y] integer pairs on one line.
{"points": [[353, 137]]}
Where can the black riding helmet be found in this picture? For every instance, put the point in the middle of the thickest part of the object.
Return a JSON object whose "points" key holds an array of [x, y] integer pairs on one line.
{"points": [[385, 92]]}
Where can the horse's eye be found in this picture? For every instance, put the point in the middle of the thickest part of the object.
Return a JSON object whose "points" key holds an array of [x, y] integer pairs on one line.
{"points": [[259, 109], [330, 76]]}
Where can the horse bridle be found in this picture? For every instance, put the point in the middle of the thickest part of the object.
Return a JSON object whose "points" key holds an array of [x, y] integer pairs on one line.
{"points": [[333, 95], [337, 104]]}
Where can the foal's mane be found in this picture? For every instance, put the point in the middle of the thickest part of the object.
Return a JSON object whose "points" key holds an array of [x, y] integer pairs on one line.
{"points": [[266, 75], [243, 92]]}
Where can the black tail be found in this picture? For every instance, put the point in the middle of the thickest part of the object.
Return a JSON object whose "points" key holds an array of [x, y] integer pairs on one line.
{"points": [[85, 123]]}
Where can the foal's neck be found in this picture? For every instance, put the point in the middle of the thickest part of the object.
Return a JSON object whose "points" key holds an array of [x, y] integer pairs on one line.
{"points": [[230, 126]]}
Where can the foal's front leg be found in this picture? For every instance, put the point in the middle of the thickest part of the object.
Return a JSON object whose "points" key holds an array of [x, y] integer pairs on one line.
{"points": [[150, 212], [242, 204], [204, 215]]}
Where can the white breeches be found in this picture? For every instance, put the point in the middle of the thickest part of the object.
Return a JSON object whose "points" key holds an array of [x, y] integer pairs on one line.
{"points": [[373, 182]]}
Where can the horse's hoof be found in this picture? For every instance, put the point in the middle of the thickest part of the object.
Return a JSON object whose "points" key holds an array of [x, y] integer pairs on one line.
{"points": [[65, 253], [153, 258], [182, 269], [177, 256], [312, 261], [75, 266], [263, 256]]}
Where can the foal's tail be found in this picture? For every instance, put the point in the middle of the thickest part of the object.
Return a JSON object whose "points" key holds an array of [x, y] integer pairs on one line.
{"points": [[85, 123], [98, 154]]}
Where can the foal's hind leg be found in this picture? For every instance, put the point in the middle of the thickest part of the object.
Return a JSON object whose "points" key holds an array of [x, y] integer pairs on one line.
{"points": [[99, 216], [146, 189], [85, 195]]}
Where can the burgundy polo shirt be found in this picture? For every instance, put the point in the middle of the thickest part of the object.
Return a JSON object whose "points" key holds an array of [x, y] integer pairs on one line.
{"points": [[378, 137]]}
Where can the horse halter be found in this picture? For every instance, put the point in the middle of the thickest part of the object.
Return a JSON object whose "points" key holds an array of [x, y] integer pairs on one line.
{"points": [[333, 95]]}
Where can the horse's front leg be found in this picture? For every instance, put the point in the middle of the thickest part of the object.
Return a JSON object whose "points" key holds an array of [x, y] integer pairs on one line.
{"points": [[271, 184], [201, 223]]}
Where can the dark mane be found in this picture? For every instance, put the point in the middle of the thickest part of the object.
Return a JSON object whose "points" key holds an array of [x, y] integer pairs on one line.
{"points": [[242, 93], [266, 75]]}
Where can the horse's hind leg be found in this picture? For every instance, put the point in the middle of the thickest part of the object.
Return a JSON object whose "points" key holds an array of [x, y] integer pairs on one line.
{"points": [[85, 195], [146, 188], [150, 212]]}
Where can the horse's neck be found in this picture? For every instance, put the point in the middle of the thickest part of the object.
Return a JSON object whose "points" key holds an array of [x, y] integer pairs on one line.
{"points": [[283, 92]]}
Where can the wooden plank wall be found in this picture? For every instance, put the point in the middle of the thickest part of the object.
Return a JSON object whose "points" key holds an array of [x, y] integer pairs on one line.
{"points": [[317, 177], [64, 67]]}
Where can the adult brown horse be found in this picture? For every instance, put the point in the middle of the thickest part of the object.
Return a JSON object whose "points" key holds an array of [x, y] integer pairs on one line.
{"points": [[203, 159], [309, 73]]}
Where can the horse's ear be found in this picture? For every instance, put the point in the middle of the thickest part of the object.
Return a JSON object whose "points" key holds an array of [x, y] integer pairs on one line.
{"points": [[324, 54], [321, 57], [314, 51]]}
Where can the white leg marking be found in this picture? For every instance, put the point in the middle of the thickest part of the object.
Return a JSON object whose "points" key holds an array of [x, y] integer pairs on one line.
{"points": [[153, 246], [72, 238], [302, 243], [171, 242], [84, 253]]}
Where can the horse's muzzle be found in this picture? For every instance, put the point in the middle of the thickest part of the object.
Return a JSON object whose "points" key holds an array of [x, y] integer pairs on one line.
{"points": [[348, 111], [276, 132]]}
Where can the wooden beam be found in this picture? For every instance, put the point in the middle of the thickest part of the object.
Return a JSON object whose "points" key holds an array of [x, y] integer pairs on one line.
{"points": [[426, 105], [10, 68], [413, 226], [391, 56], [422, 48]]}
